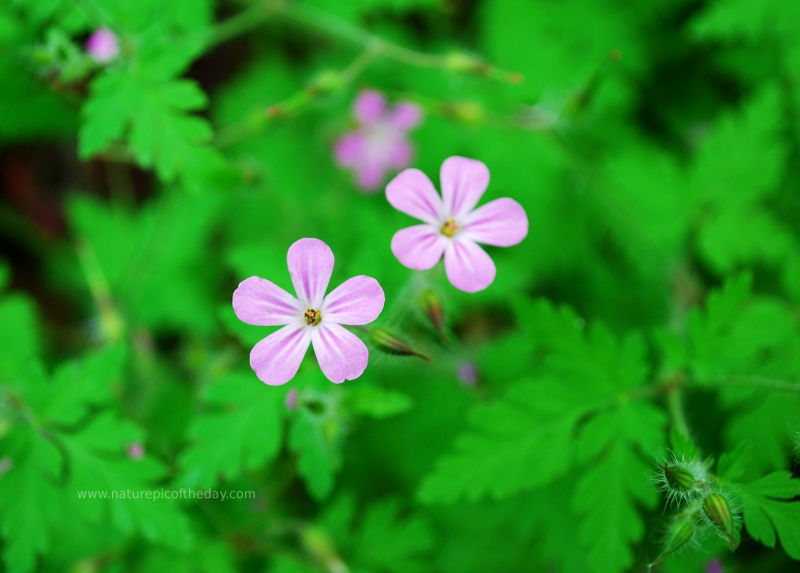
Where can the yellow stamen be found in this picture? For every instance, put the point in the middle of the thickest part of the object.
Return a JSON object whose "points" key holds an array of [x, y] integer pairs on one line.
{"points": [[313, 317], [450, 227]]}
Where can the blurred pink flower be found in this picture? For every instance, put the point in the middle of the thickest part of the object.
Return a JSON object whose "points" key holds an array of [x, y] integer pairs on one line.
{"points": [[291, 399], [379, 144], [102, 45], [135, 451], [452, 226], [467, 373], [311, 318]]}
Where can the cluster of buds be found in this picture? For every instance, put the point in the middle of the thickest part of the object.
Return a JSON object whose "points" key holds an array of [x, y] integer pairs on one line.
{"points": [[707, 509]]}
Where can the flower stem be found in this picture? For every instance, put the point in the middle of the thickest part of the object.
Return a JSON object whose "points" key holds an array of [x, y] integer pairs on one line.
{"points": [[747, 381], [675, 407]]}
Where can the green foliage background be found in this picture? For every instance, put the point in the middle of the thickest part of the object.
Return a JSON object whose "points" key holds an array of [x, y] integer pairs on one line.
{"points": [[652, 310]]}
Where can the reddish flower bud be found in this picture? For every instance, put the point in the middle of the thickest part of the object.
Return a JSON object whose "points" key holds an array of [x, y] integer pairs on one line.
{"points": [[387, 342]]}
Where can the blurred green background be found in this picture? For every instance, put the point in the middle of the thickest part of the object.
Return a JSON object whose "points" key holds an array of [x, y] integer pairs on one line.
{"points": [[654, 147]]}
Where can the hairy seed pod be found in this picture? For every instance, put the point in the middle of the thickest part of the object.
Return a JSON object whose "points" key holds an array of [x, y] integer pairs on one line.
{"points": [[718, 512], [681, 535]]}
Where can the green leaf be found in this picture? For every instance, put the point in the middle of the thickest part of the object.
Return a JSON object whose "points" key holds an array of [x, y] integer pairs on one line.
{"points": [[29, 502], [725, 246], [19, 333], [615, 482], [153, 260], [81, 384], [376, 402], [734, 19], [241, 432], [525, 439], [387, 541], [99, 466], [152, 112], [733, 465], [742, 157], [766, 518], [315, 438]]}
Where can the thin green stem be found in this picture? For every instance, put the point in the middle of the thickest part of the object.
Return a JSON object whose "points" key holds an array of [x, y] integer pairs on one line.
{"points": [[675, 407], [240, 24], [312, 17], [747, 381]]}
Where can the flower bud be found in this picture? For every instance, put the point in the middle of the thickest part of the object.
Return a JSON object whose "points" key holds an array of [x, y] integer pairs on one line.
{"points": [[102, 46], [680, 535], [291, 400], [679, 478], [135, 451], [718, 511], [432, 308], [387, 342]]}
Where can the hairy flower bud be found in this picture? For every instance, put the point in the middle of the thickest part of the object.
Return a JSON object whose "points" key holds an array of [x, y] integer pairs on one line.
{"points": [[680, 535], [386, 341], [718, 511], [681, 479]]}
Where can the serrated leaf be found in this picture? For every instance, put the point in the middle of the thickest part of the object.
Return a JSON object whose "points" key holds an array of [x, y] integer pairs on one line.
{"points": [[733, 465], [525, 439], [25, 517], [100, 467], [389, 542], [766, 518], [315, 439], [741, 159], [615, 483], [241, 432], [152, 112], [724, 245], [80, 384]]}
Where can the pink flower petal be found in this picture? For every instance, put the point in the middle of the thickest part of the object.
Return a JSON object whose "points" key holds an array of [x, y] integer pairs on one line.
{"points": [[400, 155], [369, 106], [463, 184], [419, 247], [413, 193], [405, 116], [261, 302], [348, 148], [276, 359], [468, 267], [310, 266], [358, 300], [340, 353], [500, 223]]}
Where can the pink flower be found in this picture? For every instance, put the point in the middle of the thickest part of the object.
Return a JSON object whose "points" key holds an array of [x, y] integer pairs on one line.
{"points": [[379, 144], [102, 45], [452, 226], [311, 318], [135, 451]]}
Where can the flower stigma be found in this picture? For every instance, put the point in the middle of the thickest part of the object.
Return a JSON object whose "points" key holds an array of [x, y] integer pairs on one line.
{"points": [[313, 317], [450, 227]]}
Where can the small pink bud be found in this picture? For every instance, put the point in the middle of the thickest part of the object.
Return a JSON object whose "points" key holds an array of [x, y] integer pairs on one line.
{"points": [[291, 400], [467, 373], [135, 451], [102, 45]]}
